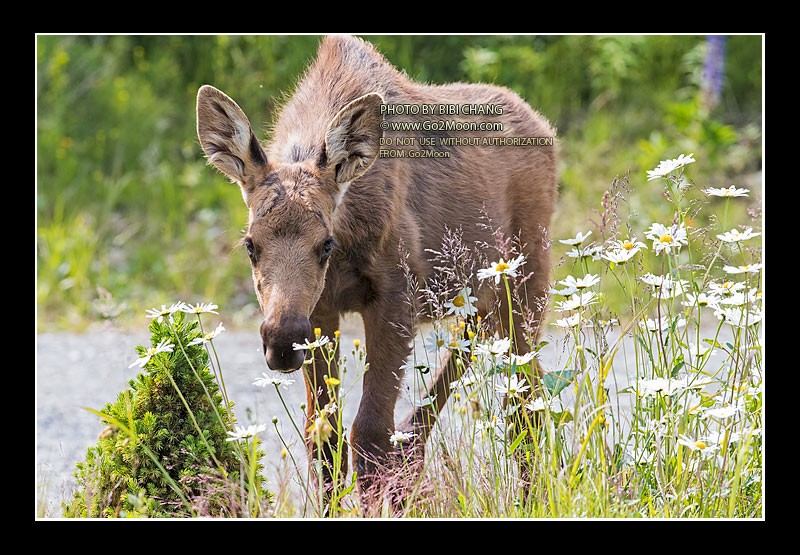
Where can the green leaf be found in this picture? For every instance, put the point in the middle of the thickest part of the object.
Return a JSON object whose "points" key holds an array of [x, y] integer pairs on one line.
{"points": [[555, 382], [517, 441], [426, 402], [678, 365], [562, 417]]}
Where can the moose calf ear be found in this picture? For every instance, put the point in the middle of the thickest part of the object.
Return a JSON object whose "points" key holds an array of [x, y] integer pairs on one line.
{"points": [[353, 137], [227, 138]]}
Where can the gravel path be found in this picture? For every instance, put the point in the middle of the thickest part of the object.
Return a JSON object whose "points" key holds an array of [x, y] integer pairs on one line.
{"points": [[74, 371]]}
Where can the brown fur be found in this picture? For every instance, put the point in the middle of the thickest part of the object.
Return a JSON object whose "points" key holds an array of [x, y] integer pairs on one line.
{"points": [[324, 148]]}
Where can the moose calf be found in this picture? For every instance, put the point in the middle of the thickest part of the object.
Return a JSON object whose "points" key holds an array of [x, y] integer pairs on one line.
{"points": [[331, 220]]}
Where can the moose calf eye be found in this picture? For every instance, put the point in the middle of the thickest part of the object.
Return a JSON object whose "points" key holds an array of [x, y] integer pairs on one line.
{"points": [[248, 243], [327, 247]]}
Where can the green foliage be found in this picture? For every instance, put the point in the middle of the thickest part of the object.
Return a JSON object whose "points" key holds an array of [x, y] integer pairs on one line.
{"points": [[127, 205], [151, 459]]}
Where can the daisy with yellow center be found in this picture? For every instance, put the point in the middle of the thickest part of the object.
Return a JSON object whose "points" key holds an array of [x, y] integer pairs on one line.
{"points": [[727, 192], [667, 239], [501, 268], [163, 347], [577, 240], [462, 304], [164, 311], [200, 308], [698, 445], [666, 167], [320, 341], [744, 269], [205, 338]]}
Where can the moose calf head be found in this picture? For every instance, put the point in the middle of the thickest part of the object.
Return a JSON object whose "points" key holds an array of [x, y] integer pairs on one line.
{"points": [[291, 203]]}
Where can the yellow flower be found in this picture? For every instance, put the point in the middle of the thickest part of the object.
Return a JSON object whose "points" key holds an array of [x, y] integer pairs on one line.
{"points": [[320, 430], [356, 342], [331, 381]]}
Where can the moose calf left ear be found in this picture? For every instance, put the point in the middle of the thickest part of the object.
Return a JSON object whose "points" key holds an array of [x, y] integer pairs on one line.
{"points": [[227, 139], [353, 137]]}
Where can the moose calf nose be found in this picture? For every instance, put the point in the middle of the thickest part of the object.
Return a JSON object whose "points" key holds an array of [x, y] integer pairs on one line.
{"points": [[279, 339]]}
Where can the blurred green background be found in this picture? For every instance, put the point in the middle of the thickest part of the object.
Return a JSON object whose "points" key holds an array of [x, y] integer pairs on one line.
{"points": [[130, 217]]}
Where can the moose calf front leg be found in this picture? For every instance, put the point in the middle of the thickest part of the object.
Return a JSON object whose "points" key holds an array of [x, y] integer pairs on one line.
{"points": [[322, 410], [387, 329], [421, 419]]}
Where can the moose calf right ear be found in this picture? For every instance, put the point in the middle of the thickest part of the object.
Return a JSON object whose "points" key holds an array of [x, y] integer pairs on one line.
{"points": [[227, 138], [353, 137]]}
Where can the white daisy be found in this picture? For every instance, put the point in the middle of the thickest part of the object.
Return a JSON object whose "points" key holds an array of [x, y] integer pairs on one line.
{"points": [[593, 251], [738, 316], [540, 404], [512, 385], [725, 288], [313, 345], [164, 346], [654, 387], [519, 360], [731, 191], [701, 300], [462, 304], [244, 433], [619, 256], [630, 244], [734, 235], [699, 445], [495, 348], [747, 268], [665, 167], [667, 286], [666, 239], [577, 240], [159, 314], [400, 437], [664, 325], [725, 411], [458, 344], [205, 338], [200, 308], [466, 380], [570, 321], [265, 380], [501, 268], [581, 283], [436, 340], [565, 292], [741, 298], [578, 301]]}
